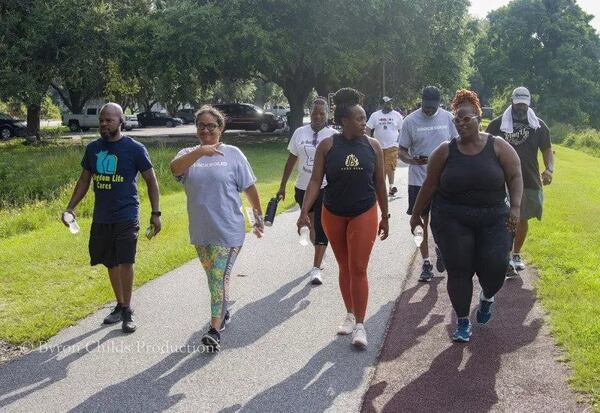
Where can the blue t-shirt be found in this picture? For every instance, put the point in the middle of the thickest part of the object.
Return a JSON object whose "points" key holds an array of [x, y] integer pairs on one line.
{"points": [[114, 167]]}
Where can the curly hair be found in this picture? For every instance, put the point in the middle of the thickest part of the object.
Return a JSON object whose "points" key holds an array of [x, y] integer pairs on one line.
{"points": [[345, 99], [211, 110], [464, 96]]}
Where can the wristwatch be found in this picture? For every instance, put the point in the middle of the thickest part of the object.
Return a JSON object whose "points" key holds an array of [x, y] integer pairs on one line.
{"points": [[155, 213]]}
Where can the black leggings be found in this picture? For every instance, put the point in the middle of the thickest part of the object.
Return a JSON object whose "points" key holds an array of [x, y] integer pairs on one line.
{"points": [[472, 241]]}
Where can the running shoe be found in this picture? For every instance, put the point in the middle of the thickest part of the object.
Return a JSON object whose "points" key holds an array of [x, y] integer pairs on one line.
{"points": [[115, 315], [393, 191], [511, 271], [484, 312], [426, 272], [359, 336], [518, 262], [439, 261], [212, 339], [316, 277], [463, 331], [347, 326], [128, 325], [226, 319]]}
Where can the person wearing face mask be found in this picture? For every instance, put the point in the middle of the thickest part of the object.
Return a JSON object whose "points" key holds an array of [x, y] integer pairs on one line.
{"points": [[528, 134], [423, 131], [385, 125], [213, 176], [112, 163], [470, 219], [353, 166], [302, 148]]}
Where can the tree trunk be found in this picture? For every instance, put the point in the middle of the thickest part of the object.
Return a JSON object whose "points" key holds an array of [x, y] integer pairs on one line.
{"points": [[296, 96], [33, 122]]}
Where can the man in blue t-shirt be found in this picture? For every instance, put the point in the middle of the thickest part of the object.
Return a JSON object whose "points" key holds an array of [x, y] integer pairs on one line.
{"points": [[112, 163]]}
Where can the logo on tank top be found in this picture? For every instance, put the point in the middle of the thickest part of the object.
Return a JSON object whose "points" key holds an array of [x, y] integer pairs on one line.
{"points": [[352, 163]]}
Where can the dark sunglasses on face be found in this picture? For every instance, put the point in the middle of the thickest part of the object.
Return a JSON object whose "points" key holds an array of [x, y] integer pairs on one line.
{"points": [[464, 119], [208, 126]]}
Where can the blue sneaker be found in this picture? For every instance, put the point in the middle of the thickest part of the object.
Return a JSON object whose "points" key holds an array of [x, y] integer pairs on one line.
{"points": [[426, 272], [463, 331], [484, 312]]}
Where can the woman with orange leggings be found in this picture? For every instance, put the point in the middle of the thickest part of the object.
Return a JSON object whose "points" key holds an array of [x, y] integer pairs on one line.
{"points": [[353, 166]]}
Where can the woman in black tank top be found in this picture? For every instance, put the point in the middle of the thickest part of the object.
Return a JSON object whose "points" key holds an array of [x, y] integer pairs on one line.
{"points": [[353, 165], [470, 220]]}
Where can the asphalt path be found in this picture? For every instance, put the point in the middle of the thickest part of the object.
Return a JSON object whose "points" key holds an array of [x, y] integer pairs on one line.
{"points": [[280, 352]]}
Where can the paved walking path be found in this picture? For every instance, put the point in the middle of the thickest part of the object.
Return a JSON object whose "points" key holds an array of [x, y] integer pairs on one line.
{"points": [[281, 353]]}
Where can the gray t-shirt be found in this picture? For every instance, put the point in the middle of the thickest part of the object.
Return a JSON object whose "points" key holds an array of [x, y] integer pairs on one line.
{"points": [[421, 134], [213, 185]]}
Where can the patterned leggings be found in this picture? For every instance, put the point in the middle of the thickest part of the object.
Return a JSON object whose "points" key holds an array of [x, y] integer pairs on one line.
{"points": [[218, 261]]}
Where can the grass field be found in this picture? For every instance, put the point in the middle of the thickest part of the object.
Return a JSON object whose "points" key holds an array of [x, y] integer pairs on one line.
{"points": [[565, 246], [46, 282]]}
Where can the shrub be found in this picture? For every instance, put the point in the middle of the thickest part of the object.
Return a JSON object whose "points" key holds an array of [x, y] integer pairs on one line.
{"points": [[587, 140]]}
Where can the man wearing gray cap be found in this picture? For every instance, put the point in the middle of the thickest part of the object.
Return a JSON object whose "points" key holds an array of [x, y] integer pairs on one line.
{"points": [[527, 133], [423, 131]]}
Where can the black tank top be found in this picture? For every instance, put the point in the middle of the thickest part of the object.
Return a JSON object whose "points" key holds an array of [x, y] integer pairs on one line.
{"points": [[473, 180], [350, 168]]}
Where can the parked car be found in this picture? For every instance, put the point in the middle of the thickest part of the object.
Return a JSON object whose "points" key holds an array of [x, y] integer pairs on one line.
{"points": [[88, 119], [249, 117], [146, 119], [131, 122], [279, 110], [10, 127], [187, 115]]}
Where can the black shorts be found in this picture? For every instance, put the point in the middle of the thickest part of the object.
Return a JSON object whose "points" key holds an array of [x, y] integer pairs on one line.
{"points": [[413, 191], [320, 237], [113, 244]]}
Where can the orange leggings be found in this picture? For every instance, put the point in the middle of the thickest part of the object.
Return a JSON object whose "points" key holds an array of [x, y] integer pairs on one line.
{"points": [[352, 240]]}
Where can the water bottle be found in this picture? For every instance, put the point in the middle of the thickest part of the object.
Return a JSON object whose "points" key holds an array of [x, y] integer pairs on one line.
{"points": [[150, 231], [271, 210], [304, 236], [418, 236], [69, 218]]}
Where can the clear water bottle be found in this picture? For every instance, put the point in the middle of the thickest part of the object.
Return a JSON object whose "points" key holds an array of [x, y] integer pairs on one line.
{"points": [[418, 236], [304, 236], [69, 218], [271, 211]]}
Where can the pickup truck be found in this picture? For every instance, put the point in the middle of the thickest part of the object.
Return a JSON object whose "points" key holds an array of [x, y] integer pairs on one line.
{"points": [[85, 121]]}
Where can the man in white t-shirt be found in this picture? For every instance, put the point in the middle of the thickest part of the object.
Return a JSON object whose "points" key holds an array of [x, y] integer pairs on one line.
{"points": [[423, 131], [385, 124], [302, 148]]}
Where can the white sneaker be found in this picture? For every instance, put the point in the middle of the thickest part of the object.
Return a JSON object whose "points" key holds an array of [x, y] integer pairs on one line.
{"points": [[359, 336], [316, 278], [348, 325]]}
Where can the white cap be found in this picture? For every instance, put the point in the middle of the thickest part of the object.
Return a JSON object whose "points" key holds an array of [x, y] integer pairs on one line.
{"points": [[521, 95], [386, 99]]}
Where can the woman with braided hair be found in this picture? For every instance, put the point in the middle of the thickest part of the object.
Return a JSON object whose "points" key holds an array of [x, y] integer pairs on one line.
{"points": [[470, 219], [353, 166]]}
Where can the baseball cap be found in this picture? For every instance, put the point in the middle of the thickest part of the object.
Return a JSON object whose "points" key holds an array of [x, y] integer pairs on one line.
{"points": [[431, 97], [386, 99], [521, 95]]}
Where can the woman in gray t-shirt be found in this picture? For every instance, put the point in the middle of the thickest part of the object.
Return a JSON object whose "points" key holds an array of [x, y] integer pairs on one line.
{"points": [[214, 174]]}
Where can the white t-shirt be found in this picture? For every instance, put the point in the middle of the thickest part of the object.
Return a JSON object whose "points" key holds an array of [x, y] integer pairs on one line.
{"points": [[421, 134], [386, 127], [301, 145]]}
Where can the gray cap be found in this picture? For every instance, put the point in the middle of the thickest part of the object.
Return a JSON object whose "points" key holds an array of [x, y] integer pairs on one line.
{"points": [[432, 97], [521, 95]]}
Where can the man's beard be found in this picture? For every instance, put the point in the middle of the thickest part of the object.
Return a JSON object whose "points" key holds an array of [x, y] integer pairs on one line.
{"points": [[109, 135], [519, 114]]}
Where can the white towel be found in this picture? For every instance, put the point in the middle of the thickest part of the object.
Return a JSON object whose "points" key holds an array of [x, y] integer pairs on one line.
{"points": [[507, 120]]}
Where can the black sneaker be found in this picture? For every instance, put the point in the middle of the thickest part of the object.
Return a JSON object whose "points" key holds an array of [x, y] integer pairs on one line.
{"points": [[511, 271], [114, 316], [225, 320], [212, 339], [426, 272], [393, 191], [439, 261], [128, 324]]}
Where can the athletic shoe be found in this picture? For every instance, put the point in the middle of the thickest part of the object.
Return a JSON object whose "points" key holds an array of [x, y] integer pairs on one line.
{"points": [[518, 262], [212, 339], [225, 320], [115, 315], [347, 326], [393, 191], [316, 278], [128, 325], [511, 271], [463, 331], [426, 272], [484, 312], [359, 336], [439, 261]]}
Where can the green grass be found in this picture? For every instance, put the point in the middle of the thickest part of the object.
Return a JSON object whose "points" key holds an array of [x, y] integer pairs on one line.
{"points": [[46, 282], [565, 246]]}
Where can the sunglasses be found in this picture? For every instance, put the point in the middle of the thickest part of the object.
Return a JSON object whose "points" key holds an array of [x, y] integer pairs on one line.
{"points": [[209, 127], [464, 119]]}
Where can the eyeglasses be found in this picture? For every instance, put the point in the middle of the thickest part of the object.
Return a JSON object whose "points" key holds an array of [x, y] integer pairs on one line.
{"points": [[209, 127], [464, 119]]}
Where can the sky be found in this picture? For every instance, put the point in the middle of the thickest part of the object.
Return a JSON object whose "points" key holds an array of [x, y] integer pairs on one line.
{"points": [[481, 8]]}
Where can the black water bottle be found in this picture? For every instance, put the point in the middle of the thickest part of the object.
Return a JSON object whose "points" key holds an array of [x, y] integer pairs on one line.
{"points": [[271, 211]]}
